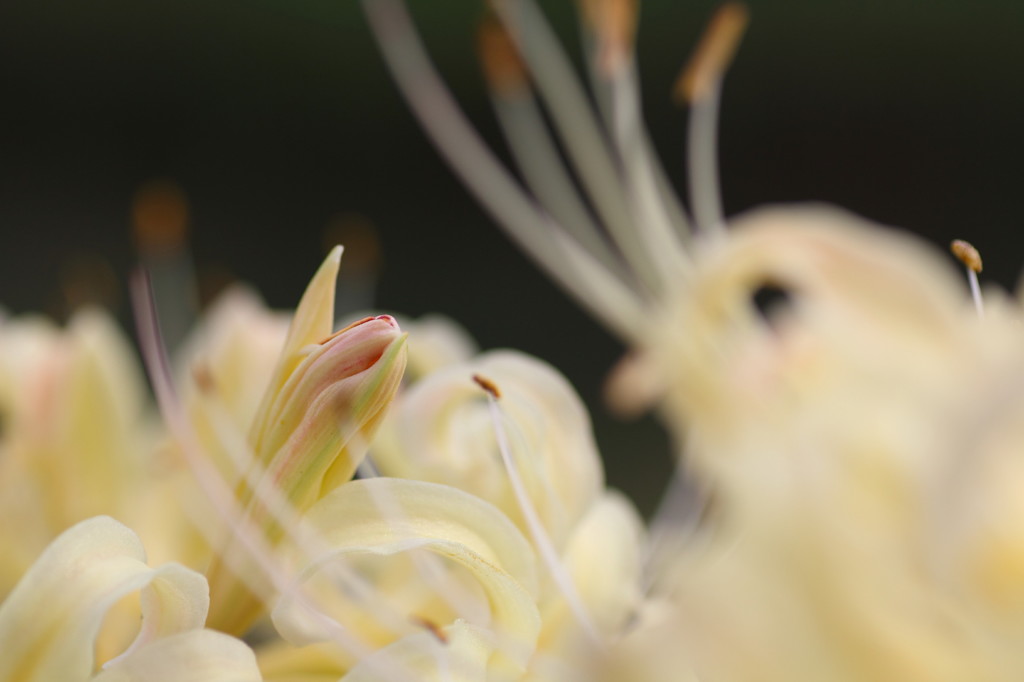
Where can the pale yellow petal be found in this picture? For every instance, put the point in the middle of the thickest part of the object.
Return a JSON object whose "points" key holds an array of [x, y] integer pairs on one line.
{"points": [[605, 561], [49, 622], [280, 661], [442, 431], [72, 403], [102, 404], [384, 517], [193, 656]]}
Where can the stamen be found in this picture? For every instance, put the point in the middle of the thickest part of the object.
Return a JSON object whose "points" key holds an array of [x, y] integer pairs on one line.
{"points": [[357, 281], [488, 385], [597, 289], [610, 26], [532, 145], [160, 226], [614, 77], [614, 24], [540, 536], [714, 52], [700, 85], [203, 377], [664, 227], [585, 145], [432, 627], [504, 69], [969, 256]]}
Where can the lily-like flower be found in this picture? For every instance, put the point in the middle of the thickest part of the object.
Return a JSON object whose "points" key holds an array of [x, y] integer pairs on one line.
{"points": [[50, 622], [825, 377], [72, 444]]}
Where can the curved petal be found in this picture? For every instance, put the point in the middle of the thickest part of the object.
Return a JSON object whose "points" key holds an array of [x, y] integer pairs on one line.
{"points": [[194, 656], [279, 661], [442, 431], [385, 517], [603, 557], [50, 621]]}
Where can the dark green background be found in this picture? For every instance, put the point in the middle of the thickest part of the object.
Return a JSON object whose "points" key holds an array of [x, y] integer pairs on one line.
{"points": [[276, 116]]}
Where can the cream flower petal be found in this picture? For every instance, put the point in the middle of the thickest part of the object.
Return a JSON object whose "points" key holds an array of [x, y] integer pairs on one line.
{"points": [[383, 517], [71, 400], [49, 622], [442, 431], [279, 661], [193, 656], [604, 559]]}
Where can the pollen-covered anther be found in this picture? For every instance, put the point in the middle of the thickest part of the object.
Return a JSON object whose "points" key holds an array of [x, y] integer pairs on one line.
{"points": [[966, 254], [160, 217], [488, 385], [614, 24], [203, 377], [714, 52], [430, 626], [502, 66]]}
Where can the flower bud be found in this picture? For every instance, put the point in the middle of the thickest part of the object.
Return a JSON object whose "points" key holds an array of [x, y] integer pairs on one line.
{"points": [[321, 421], [320, 410]]}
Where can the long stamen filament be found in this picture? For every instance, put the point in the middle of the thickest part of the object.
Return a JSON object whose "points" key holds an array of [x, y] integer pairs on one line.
{"points": [[702, 162], [639, 164], [541, 539], [701, 87], [586, 146], [597, 289], [534, 151]]}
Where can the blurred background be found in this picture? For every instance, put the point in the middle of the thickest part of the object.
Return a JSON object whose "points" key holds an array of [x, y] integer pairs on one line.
{"points": [[280, 126]]}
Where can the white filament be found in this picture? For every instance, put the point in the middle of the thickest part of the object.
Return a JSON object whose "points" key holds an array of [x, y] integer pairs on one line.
{"points": [[979, 304], [530, 227], [702, 160], [541, 539], [585, 143], [534, 152], [639, 164]]}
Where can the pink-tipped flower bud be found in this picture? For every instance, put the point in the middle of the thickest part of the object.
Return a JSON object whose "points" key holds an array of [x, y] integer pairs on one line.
{"points": [[320, 410], [321, 420]]}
